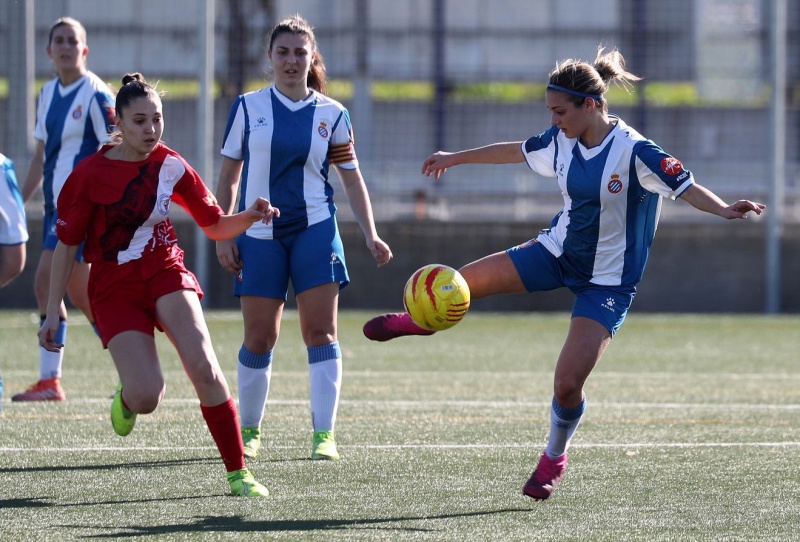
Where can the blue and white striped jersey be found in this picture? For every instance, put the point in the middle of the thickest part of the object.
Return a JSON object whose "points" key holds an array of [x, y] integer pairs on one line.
{"points": [[288, 148], [612, 201], [13, 226], [73, 122]]}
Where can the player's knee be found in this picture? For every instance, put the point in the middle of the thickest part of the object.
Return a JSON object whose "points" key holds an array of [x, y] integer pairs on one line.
{"points": [[567, 391], [143, 400]]}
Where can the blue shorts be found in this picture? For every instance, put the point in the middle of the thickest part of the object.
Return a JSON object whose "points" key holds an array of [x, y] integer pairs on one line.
{"points": [[540, 271], [310, 258], [50, 238]]}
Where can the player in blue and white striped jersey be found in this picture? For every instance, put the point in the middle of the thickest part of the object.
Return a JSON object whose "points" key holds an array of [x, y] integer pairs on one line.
{"points": [[74, 117], [281, 143], [612, 180], [13, 226]]}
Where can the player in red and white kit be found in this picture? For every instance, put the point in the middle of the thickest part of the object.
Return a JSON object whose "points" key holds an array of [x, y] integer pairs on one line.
{"points": [[117, 201]]}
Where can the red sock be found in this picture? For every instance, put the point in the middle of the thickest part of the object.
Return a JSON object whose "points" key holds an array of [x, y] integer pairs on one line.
{"points": [[223, 422]]}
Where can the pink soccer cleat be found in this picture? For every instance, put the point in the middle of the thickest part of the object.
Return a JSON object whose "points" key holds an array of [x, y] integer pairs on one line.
{"points": [[546, 477], [390, 326]]}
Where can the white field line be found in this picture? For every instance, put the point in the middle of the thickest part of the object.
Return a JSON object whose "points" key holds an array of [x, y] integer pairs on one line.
{"points": [[492, 404], [390, 447]]}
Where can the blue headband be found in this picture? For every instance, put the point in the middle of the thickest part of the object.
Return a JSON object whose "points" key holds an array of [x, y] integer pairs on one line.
{"points": [[575, 92]]}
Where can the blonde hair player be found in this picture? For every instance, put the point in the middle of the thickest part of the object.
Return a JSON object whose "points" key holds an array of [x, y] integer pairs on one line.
{"points": [[613, 181]]}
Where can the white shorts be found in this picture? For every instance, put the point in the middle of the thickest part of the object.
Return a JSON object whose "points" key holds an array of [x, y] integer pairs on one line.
{"points": [[13, 228]]}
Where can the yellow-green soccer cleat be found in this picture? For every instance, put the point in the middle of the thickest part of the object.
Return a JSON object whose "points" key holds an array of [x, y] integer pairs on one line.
{"points": [[251, 437], [324, 446], [244, 485], [122, 419]]}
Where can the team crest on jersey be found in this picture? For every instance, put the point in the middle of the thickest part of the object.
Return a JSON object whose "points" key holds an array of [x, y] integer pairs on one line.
{"points": [[671, 166], [77, 112], [615, 184], [163, 204], [323, 129]]}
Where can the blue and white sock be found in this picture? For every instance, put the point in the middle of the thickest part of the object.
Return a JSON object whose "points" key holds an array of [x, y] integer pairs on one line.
{"points": [[254, 374], [50, 362], [563, 423], [325, 380]]}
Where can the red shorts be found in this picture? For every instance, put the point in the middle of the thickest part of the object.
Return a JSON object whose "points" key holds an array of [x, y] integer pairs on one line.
{"points": [[123, 297]]}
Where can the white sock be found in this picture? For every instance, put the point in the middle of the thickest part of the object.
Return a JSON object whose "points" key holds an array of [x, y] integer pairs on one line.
{"points": [[325, 380], [563, 423], [254, 373]]}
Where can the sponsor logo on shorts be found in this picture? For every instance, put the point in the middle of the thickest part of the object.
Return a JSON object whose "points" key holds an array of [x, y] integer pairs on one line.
{"points": [[609, 304]]}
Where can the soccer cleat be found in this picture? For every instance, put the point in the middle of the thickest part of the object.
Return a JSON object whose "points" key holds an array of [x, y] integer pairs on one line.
{"points": [[546, 477], [244, 485], [122, 419], [324, 446], [390, 326], [43, 390], [251, 438]]}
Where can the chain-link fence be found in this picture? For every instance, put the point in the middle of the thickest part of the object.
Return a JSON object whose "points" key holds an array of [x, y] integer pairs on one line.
{"points": [[423, 75]]}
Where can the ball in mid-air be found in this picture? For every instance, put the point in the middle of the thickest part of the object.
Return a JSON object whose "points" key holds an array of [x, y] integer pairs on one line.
{"points": [[436, 297]]}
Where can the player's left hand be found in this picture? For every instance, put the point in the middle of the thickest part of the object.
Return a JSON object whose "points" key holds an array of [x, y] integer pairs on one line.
{"points": [[739, 209], [264, 210], [380, 251]]}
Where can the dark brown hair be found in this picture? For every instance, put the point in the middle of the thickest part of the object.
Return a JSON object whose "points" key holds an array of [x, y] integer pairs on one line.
{"points": [[317, 76], [66, 21]]}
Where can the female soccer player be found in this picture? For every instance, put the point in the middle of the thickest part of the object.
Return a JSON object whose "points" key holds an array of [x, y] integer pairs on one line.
{"points": [[74, 116], [281, 141], [118, 201], [612, 180], [13, 228]]}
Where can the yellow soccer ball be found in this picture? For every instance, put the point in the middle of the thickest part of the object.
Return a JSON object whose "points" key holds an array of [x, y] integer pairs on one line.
{"points": [[436, 297]]}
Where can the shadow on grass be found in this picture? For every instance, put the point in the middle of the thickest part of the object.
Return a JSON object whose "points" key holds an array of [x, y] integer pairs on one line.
{"points": [[169, 463], [238, 524]]}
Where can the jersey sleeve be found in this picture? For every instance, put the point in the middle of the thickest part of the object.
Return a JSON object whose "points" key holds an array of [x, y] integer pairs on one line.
{"points": [[192, 194], [75, 206], [233, 139], [40, 130], [342, 151], [540, 152], [660, 172], [102, 113]]}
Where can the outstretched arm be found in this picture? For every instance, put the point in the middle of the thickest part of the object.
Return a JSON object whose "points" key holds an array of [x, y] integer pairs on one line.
{"points": [[496, 153], [230, 226], [704, 199]]}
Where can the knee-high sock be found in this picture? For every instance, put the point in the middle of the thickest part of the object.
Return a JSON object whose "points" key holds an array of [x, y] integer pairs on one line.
{"points": [[563, 423], [223, 423], [50, 362], [325, 381], [254, 374]]}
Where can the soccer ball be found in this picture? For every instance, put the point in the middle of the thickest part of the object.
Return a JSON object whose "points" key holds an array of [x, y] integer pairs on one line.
{"points": [[436, 297]]}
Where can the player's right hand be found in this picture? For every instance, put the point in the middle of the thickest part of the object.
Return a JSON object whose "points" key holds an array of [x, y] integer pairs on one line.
{"points": [[47, 334], [228, 256]]}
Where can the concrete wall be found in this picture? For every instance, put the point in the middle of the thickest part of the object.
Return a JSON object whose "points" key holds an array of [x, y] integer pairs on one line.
{"points": [[709, 267]]}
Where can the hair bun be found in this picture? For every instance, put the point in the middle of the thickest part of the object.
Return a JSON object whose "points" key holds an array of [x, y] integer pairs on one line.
{"points": [[132, 78]]}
